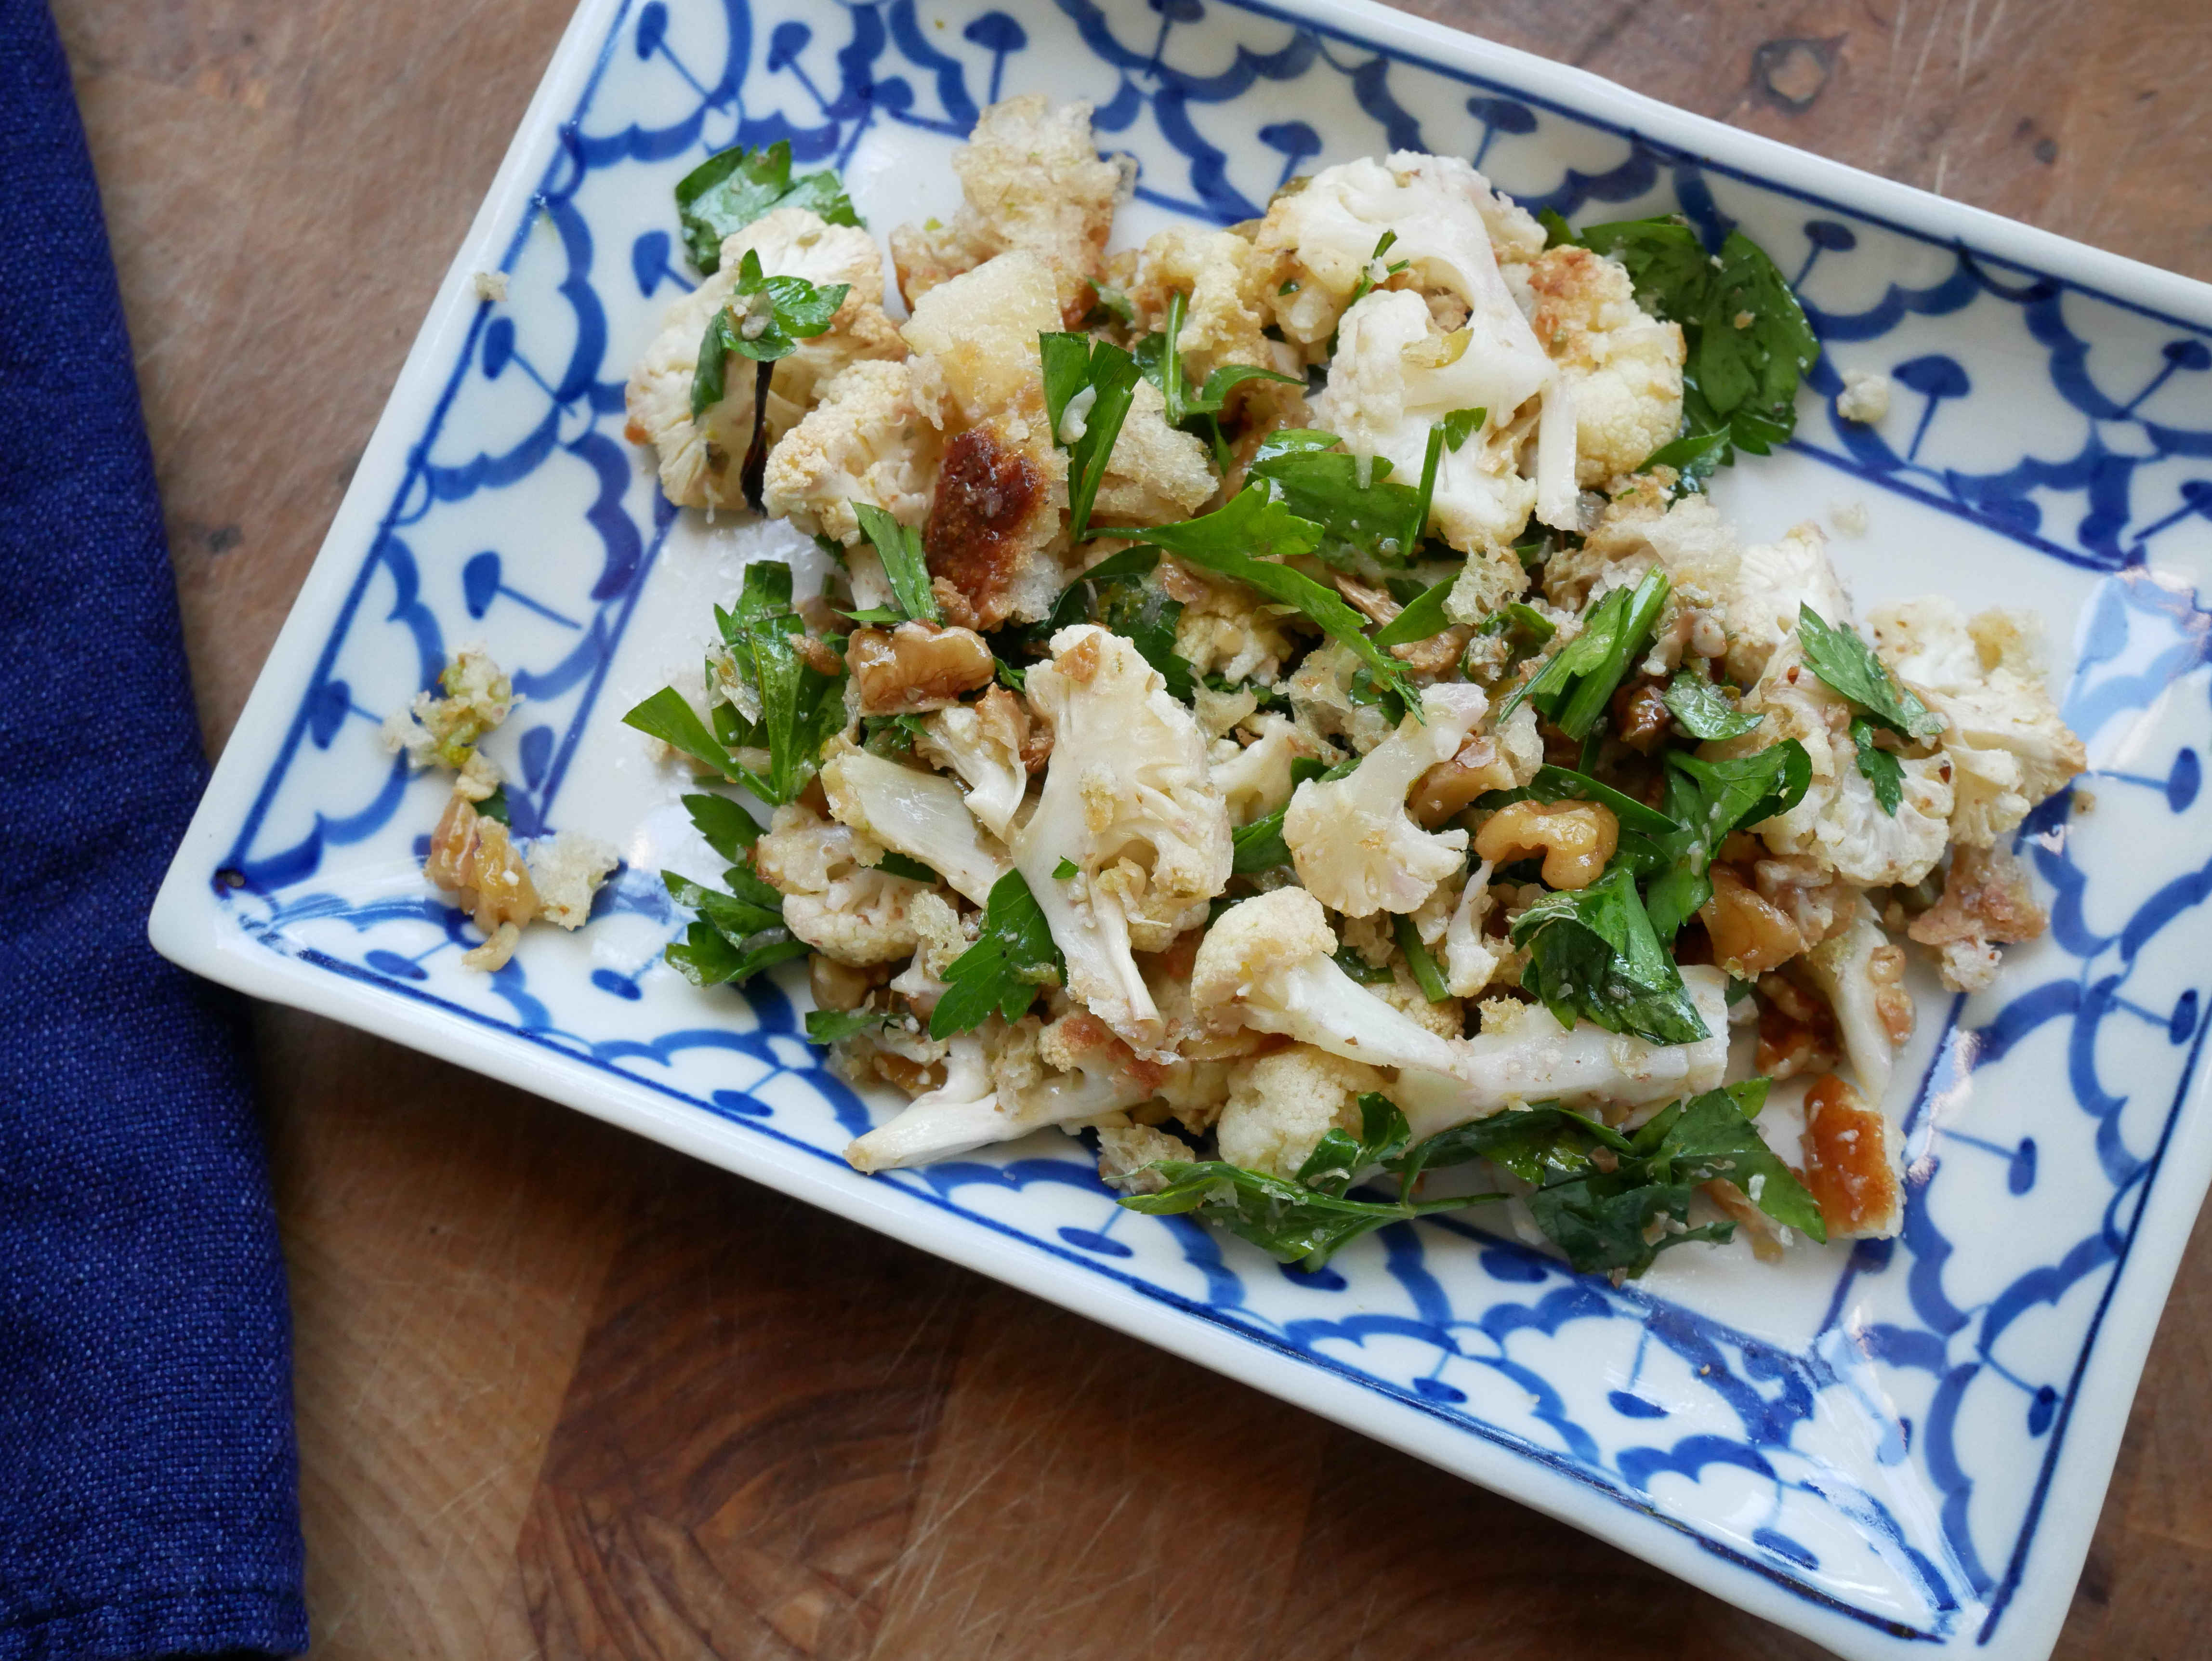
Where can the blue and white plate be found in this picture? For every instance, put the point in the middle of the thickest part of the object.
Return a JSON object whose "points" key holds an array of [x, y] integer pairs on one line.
{"points": [[1890, 1449]]}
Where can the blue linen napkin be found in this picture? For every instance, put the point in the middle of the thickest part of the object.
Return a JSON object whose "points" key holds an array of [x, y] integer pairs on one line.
{"points": [[148, 1478]]}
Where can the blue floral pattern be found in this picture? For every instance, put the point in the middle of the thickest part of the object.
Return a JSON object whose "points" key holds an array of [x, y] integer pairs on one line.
{"points": [[1889, 1456]]}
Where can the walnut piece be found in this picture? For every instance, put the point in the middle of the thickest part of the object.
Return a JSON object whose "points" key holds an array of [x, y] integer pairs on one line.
{"points": [[1575, 837], [916, 666], [1750, 933]]}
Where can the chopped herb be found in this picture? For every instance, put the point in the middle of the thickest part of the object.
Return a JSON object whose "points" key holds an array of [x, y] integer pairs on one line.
{"points": [[1115, 301], [1357, 510], [738, 933], [493, 807], [1849, 667], [891, 736], [1709, 801], [1740, 385], [730, 190], [1461, 423], [899, 547], [1417, 522], [667, 717], [1592, 953], [1604, 1218], [1573, 689], [1339, 1156], [1076, 367], [1066, 869], [1011, 958], [1879, 768], [1360, 970], [710, 379], [765, 320], [1421, 618], [827, 1027], [1252, 520], [1704, 710], [1289, 1220], [729, 830], [1147, 619], [1362, 288], [1427, 974], [895, 864]]}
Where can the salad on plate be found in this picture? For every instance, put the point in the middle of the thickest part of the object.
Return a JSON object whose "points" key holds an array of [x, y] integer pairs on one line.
{"points": [[1284, 706]]}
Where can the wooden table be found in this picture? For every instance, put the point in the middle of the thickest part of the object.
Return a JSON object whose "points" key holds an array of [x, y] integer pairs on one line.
{"points": [[563, 1392]]}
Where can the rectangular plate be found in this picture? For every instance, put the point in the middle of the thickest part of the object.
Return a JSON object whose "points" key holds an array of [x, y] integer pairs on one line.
{"points": [[1889, 1448]]}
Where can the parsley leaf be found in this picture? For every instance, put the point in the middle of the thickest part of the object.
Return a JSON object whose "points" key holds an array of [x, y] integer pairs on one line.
{"points": [[765, 320], [1421, 618], [1065, 869], [710, 379], [899, 547], [1459, 424], [1356, 512], [1709, 800], [1600, 1217], [896, 864], [729, 830], [1011, 958], [1339, 1156], [1849, 667], [493, 807], [1592, 953], [740, 932], [1740, 384], [1366, 973], [1573, 689], [730, 190], [1879, 768], [1088, 385], [800, 705], [1147, 617], [1704, 710], [1252, 520], [707, 957], [827, 1026], [1287, 1219]]}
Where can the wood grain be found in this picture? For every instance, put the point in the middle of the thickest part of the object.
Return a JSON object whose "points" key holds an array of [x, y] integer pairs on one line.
{"points": [[565, 1394]]}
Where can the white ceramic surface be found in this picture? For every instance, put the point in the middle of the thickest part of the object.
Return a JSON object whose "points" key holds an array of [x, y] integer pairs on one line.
{"points": [[1895, 1448]]}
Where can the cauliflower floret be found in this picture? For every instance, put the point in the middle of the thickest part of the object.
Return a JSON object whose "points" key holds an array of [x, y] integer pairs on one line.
{"points": [[1256, 780], [982, 742], [1847, 967], [1469, 960], [833, 898], [1354, 845], [699, 460], [1223, 630], [865, 442], [1523, 1054], [1774, 581], [920, 815], [2008, 746], [1128, 799], [941, 934], [1374, 401], [1623, 366], [1031, 179], [568, 869], [446, 730], [1400, 367], [1839, 824], [1281, 1104], [1003, 1083], [1125, 1152], [1688, 537], [1230, 283], [1320, 699], [1155, 473], [1268, 965]]}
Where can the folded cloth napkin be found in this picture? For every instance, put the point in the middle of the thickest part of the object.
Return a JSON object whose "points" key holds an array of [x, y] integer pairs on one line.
{"points": [[148, 1479]]}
